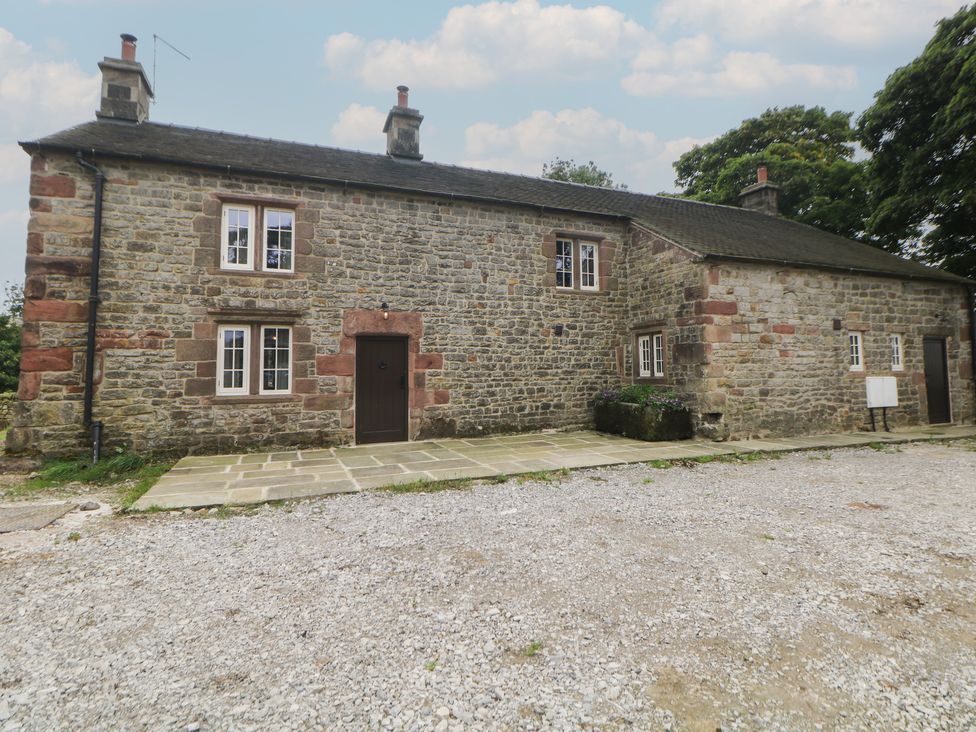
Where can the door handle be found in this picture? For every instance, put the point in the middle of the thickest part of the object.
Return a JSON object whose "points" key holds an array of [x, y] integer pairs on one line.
{"points": [[382, 365]]}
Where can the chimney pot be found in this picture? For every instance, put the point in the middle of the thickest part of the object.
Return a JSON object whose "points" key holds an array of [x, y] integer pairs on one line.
{"points": [[128, 47], [762, 175], [402, 96]]}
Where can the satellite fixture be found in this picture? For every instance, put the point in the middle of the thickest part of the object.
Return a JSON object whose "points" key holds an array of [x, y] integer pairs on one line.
{"points": [[155, 39]]}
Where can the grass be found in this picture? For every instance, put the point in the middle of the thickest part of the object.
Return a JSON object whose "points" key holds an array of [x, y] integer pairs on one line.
{"points": [[74, 536], [119, 469], [882, 447], [543, 476], [531, 650], [431, 665], [429, 486]]}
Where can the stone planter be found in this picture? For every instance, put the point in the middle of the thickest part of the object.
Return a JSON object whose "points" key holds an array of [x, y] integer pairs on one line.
{"points": [[642, 423]]}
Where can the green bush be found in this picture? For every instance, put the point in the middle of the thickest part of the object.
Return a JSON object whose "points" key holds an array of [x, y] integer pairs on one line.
{"points": [[643, 395]]}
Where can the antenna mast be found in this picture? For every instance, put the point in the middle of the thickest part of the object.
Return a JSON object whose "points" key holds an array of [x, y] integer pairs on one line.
{"points": [[155, 39]]}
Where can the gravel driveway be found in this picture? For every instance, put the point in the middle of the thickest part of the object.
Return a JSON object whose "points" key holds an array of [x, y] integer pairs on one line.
{"points": [[834, 589]]}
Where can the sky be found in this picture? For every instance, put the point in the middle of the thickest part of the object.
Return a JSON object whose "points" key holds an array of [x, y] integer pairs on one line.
{"points": [[503, 85]]}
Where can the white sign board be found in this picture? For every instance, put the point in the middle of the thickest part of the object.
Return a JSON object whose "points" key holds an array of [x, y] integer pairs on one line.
{"points": [[882, 391]]}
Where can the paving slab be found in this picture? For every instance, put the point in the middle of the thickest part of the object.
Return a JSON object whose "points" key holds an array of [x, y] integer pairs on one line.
{"points": [[251, 478], [31, 516]]}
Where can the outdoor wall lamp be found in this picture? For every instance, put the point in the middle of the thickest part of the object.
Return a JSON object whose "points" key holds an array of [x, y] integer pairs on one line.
{"points": [[386, 311]]}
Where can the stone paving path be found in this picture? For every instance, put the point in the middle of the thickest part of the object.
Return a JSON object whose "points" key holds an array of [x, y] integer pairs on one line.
{"points": [[256, 477]]}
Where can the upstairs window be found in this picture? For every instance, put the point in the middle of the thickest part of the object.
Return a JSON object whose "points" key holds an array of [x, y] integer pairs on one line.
{"points": [[856, 351], [257, 238], [236, 242], [577, 264], [564, 263], [897, 355]]}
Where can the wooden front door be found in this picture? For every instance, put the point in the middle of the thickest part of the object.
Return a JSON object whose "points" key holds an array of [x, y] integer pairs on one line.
{"points": [[381, 389], [937, 380]]}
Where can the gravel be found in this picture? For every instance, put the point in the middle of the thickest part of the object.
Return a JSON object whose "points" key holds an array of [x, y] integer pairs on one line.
{"points": [[828, 589]]}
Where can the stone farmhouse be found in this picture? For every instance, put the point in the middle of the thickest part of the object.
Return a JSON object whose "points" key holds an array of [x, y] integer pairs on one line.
{"points": [[194, 291]]}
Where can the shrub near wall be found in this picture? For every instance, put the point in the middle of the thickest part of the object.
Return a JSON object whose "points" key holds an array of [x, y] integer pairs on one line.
{"points": [[7, 400], [642, 412]]}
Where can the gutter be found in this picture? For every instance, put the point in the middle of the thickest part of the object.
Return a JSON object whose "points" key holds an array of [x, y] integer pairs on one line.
{"points": [[93, 300]]}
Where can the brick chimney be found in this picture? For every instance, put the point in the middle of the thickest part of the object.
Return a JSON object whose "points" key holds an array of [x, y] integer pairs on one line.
{"points": [[402, 129], [125, 89], [762, 195]]}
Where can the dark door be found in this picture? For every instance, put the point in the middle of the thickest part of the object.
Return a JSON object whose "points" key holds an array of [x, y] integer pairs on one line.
{"points": [[937, 380], [381, 389]]}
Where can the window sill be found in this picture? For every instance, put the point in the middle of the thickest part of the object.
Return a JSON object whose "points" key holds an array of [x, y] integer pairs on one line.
{"points": [[254, 273], [253, 399], [655, 380], [584, 293]]}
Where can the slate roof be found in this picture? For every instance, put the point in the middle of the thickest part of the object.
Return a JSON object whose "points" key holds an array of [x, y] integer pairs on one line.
{"points": [[706, 229]]}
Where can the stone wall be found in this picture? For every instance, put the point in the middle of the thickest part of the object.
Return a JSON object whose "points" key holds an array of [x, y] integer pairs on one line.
{"points": [[778, 347], [665, 290], [471, 284]]}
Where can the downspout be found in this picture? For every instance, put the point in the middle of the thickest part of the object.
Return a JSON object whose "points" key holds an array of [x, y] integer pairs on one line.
{"points": [[96, 257], [972, 342]]}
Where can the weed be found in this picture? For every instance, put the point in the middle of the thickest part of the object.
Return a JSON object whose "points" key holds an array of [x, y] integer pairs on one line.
{"points": [[429, 486], [659, 464], [648, 481], [498, 479], [431, 665], [769, 537], [882, 447], [543, 476], [531, 650], [74, 536]]}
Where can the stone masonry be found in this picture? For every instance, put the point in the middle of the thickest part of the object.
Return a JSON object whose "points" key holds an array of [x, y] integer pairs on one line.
{"points": [[753, 348]]}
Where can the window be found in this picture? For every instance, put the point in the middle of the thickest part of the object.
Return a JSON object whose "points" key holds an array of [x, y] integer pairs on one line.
{"points": [[236, 244], [658, 354], [279, 227], [238, 374], [588, 267], [232, 359], [577, 264], [275, 360], [242, 247], [897, 360], [564, 263], [650, 356], [856, 351]]}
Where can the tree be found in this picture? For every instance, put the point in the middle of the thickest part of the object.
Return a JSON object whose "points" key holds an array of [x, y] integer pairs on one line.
{"points": [[587, 174], [921, 132], [809, 154], [10, 322]]}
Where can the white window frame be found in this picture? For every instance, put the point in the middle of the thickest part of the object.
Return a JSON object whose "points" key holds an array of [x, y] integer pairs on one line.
{"points": [[897, 352], [596, 266], [246, 366], [645, 357], [224, 236], [572, 264], [291, 352], [657, 353], [855, 350], [264, 250]]}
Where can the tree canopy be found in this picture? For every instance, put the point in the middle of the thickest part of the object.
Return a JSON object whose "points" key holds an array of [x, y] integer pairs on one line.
{"points": [[921, 133], [585, 173], [809, 154], [10, 322]]}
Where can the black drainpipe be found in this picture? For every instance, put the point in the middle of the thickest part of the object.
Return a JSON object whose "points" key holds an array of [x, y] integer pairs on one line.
{"points": [[972, 342], [96, 427]]}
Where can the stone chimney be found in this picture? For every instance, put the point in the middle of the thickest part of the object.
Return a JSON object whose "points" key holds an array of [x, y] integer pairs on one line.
{"points": [[762, 195], [125, 89], [402, 129]]}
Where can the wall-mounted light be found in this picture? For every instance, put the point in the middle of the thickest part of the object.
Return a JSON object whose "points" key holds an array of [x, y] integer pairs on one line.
{"points": [[386, 311]]}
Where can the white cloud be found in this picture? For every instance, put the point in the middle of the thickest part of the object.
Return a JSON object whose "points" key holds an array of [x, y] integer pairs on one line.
{"points": [[479, 44], [850, 22], [14, 164], [635, 157], [738, 73], [38, 96], [359, 125]]}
